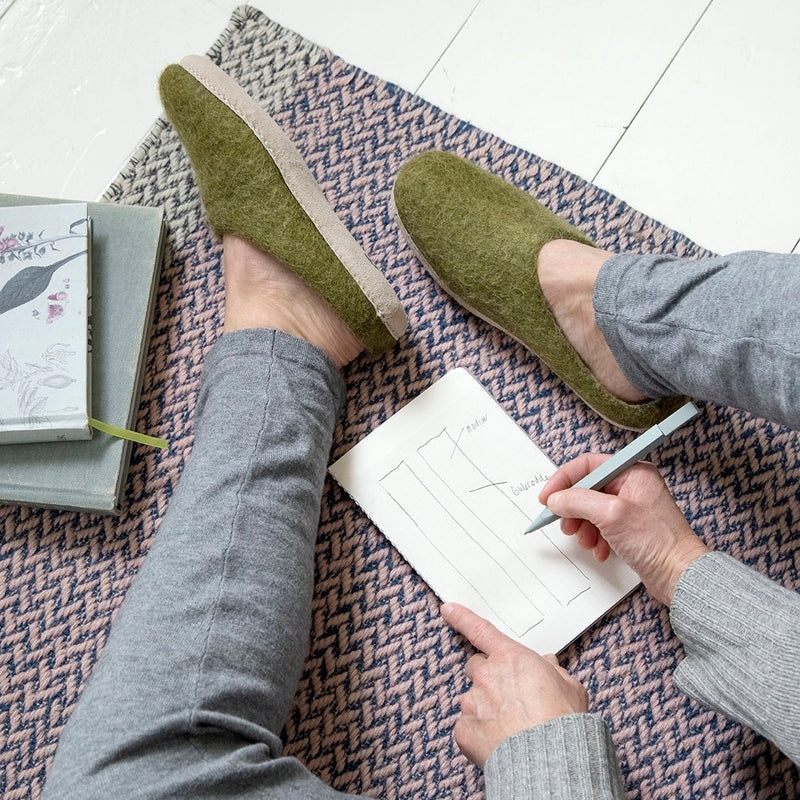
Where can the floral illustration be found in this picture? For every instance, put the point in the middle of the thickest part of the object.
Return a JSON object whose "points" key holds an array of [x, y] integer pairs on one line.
{"points": [[44, 317], [28, 283], [8, 242], [54, 311], [27, 380], [26, 245]]}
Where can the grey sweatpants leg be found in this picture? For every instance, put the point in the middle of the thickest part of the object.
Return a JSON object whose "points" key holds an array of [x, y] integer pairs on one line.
{"points": [[724, 329], [198, 675]]}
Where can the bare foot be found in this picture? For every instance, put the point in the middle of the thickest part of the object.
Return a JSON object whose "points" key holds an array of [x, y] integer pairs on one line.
{"points": [[567, 273], [262, 292]]}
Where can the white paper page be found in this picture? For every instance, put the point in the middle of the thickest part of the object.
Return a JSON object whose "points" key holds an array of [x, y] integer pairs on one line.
{"points": [[452, 481]]}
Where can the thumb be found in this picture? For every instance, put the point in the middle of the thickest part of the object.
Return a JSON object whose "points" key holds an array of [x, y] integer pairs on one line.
{"points": [[578, 503]]}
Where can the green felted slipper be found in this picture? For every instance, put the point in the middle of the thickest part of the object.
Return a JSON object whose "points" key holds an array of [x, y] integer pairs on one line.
{"points": [[479, 237], [254, 183]]}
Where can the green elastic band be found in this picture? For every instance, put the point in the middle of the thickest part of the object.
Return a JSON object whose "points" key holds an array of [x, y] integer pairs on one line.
{"points": [[123, 433]]}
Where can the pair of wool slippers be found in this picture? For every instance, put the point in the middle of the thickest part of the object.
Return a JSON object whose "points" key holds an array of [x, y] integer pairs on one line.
{"points": [[477, 235]]}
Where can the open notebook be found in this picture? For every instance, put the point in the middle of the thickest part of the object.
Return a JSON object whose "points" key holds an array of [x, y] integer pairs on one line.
{"points": [[452, 481]]}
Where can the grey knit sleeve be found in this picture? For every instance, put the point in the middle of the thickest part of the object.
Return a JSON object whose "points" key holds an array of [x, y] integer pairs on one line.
{"points": [[741, 634], [568, 758]]}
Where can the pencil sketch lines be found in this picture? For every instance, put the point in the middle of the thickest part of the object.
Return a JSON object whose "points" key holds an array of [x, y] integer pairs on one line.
{"points": [[489, 486], [459, 547], [494, 515]]}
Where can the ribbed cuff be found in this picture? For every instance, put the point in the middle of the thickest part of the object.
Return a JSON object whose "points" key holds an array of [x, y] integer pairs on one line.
{"points": [[741, 634], [568, 758]]}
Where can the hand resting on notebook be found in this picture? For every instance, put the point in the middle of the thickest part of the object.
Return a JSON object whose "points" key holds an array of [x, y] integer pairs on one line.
{"points": [[513, 688]]}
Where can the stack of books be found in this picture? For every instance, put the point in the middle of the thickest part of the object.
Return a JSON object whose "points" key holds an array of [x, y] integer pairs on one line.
{"points": [[77, 290]]}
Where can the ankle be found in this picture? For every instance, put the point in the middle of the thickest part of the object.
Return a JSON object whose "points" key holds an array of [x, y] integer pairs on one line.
{"points": [[571, 268], [567, 273], [262, 292]]}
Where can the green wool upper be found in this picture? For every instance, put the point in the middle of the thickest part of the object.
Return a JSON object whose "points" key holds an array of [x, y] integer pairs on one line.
{"points": [[480, 237], [244, 193]]}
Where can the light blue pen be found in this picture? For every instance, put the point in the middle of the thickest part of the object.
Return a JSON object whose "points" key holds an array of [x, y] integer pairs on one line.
{"points": [[626, 458]]}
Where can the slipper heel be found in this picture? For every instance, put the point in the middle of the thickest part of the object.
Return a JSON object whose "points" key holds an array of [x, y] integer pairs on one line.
{"points": [[254, 183]]}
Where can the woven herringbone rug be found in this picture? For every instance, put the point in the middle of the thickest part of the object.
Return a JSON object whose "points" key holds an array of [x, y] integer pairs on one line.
{"points": [[377, 703]]}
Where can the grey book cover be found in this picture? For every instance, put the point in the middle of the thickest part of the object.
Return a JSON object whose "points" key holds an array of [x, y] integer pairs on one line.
{"points": [[127, 246]]}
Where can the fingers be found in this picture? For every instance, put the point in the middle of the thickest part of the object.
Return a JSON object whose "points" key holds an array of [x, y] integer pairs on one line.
{"points": [[473, 663], [552, 660], [587, 534], [569, 474], [570, 527], [582, 504], [480, 632], [601, 550]]}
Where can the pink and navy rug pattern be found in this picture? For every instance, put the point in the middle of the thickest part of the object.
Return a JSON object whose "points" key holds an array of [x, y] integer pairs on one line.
{"points": [[376, 705]]}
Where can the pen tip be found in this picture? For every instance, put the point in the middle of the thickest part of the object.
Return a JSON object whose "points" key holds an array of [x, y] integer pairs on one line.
{"points": [[531, 528]]}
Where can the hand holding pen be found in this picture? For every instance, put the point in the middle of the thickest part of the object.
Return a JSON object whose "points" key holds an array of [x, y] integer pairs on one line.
{"points": [[634, 515], [615, 465]]}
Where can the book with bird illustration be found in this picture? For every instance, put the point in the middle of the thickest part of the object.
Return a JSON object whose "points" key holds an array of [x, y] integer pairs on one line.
{"points": [[45, 342], [127, 243]]}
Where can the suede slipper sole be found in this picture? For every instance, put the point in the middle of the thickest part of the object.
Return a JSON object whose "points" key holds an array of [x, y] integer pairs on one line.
{"points": [[479, 238], [254, 183]]}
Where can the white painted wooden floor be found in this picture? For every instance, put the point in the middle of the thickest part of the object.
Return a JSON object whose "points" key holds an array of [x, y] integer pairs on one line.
{"points": [[687, 109]]}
